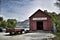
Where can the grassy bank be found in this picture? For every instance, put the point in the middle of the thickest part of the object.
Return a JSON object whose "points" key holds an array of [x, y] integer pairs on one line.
{"points": [[57, 36]]}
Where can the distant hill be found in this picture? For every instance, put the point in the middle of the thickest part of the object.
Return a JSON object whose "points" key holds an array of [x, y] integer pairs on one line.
{"points": [[23, 24]]}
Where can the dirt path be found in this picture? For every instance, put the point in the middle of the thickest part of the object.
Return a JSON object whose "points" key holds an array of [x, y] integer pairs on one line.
{"points": [[28, 36]]}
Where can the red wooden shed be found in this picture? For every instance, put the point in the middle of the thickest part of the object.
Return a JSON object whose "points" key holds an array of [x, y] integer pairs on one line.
{"points": [[40, 21]]}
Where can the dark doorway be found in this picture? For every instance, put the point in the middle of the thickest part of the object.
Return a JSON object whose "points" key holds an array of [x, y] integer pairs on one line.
{"points": [[40, 25]]}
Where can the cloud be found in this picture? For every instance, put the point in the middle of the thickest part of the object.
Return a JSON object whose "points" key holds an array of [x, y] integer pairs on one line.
{"points": [[1, 15], [22, 9]]}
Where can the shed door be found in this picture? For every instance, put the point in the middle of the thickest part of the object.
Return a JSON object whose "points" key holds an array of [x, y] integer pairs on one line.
{"points": [[40, 25]]}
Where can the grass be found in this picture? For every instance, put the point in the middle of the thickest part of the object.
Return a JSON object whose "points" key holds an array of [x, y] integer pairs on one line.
{"points": [[57, 36]]}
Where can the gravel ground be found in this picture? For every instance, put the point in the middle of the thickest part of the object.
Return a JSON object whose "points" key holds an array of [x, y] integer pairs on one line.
{"points": [[27, 36]]}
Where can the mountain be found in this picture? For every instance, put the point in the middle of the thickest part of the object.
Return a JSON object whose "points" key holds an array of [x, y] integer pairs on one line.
{"points": [[23, 24]]}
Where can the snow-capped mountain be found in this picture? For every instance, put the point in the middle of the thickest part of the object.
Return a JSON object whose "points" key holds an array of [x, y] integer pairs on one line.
{"points": [[23, 24]]}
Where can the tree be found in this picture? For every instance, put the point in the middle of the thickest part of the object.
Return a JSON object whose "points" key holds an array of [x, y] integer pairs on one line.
{"points": [[11, 23], [55, 19], [58, 22], [57, 3], [1, 18], [3, 24], [45, 11]]}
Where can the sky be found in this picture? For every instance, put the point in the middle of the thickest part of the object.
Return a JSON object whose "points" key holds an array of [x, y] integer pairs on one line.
{"points": [[23, 9]]}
